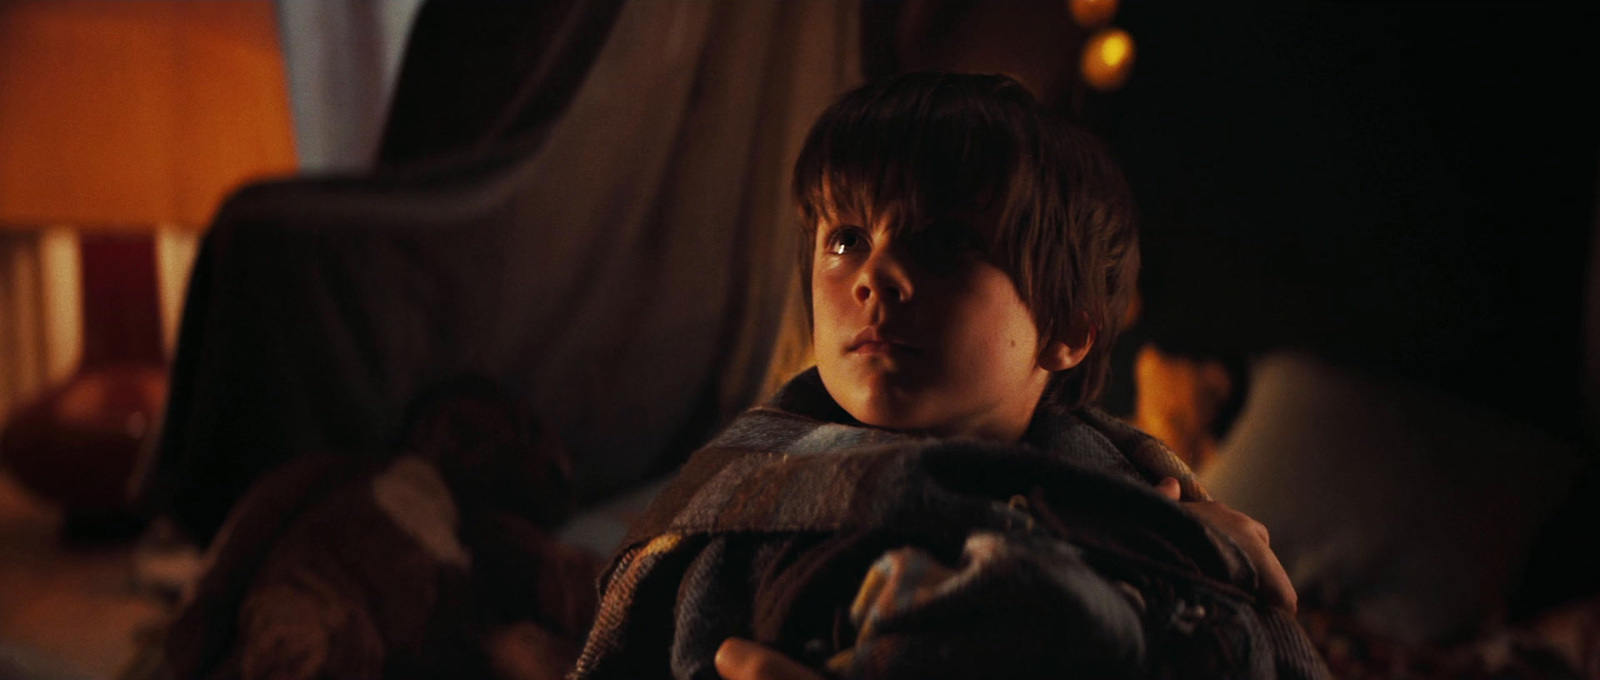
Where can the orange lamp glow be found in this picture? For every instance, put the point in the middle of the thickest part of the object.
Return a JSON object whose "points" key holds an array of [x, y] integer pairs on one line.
{"points": [[125, 115], [117, 119]]}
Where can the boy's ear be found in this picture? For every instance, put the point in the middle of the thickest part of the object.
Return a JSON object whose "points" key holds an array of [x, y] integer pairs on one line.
{"points": [[1060, 355]]}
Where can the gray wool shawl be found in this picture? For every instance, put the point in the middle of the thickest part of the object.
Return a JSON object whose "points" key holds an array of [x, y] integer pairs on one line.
{"points": [[867, 553]]}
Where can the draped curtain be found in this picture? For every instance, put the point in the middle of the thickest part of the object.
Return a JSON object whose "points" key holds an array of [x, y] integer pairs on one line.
{"points": [[621, 259], [342, 58]]}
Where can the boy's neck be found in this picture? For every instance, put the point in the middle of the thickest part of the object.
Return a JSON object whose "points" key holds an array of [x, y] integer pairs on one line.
{"points": [[805, 394]]}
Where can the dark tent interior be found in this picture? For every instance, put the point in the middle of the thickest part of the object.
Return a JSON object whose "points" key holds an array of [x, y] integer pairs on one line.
{"points": [[1367, 296]]}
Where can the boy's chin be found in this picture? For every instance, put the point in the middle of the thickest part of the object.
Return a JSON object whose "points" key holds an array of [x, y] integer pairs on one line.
{"points": [[887, 400], [889, 411]]}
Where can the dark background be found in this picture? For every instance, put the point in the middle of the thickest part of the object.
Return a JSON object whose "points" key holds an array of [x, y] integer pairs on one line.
{"points": [[1400, 188]]}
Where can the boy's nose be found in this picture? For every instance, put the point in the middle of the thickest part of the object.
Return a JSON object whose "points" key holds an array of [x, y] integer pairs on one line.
{"points": [[884, 276]]}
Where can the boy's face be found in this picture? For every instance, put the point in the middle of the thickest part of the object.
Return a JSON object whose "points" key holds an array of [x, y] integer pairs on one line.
{"points": [[918, 332]]}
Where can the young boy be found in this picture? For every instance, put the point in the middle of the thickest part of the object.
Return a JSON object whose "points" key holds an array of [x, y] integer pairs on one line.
{"points": [[936, 498]]}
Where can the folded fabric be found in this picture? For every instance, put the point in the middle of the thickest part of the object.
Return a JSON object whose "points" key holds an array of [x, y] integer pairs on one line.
{"points": [[873, 554]]}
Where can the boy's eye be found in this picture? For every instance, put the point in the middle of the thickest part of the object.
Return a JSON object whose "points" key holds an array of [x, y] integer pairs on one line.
{"points": [[845, 240]]}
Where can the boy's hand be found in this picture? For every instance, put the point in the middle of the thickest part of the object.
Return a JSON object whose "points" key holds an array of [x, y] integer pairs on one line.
{"points": [[739, 659], [1250, 536]]}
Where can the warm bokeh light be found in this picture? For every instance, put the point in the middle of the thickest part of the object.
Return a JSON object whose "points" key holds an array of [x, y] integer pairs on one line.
{"points": [[1092, 13], [125, 115], [1108, 59], [1178, 399]]}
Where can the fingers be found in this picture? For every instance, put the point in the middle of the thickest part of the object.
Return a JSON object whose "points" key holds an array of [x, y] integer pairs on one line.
{"points": [[1275, 584], [739, 659], [1170, 488], [1252, 538]]}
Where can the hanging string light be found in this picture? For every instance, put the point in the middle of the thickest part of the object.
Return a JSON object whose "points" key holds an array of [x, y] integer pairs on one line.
{"points": [[1092, 13], [1107, 57]]}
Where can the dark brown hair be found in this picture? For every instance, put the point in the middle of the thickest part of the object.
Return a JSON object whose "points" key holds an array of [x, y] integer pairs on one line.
{"points": [[934, 145]]}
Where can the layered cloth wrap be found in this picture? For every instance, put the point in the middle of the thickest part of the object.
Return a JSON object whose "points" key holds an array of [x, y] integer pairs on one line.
{"points": [[866, 553]]}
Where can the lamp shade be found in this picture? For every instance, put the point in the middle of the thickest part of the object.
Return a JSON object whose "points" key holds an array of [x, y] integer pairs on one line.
{"points": [[117, 118], [130, 114]]}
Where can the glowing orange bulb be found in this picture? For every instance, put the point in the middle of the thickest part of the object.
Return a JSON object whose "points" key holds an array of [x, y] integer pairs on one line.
{"points": [[1092, 13], [1108, 59]]}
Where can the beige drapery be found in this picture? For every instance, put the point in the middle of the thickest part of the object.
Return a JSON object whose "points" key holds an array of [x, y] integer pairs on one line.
{"points": [[624, 268]]}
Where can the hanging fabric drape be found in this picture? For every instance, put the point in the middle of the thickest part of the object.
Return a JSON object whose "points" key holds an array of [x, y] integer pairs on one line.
{"points": [[621, 263], [342, 58]]}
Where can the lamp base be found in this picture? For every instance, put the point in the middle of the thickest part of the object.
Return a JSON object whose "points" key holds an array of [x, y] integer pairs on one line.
{"points": [[79, 444]]}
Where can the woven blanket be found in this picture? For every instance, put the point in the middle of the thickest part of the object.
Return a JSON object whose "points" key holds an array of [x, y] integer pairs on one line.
{"points": [[866, 553]]}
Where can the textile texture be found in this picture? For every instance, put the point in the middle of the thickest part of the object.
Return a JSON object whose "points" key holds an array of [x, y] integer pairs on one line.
{"points": [[619, 260], [866, 553], [437, 563]]}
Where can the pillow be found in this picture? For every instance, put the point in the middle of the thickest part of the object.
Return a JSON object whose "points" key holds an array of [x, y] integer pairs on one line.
{"points": [[1404, 507]]}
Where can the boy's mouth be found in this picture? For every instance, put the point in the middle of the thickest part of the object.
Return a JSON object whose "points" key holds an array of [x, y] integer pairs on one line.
{"points": [[872, 341]]}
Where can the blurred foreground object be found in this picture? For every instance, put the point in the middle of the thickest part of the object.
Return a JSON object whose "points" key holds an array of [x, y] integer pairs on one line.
{"points": [[440, 561]]}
